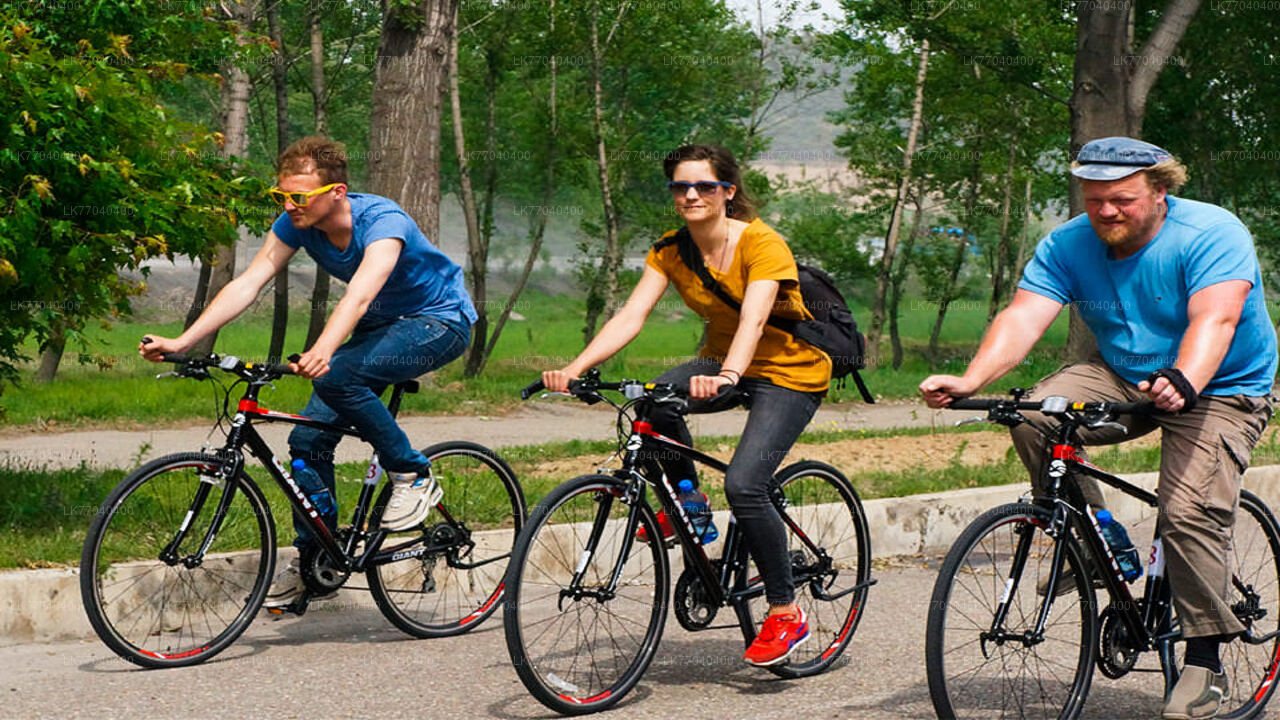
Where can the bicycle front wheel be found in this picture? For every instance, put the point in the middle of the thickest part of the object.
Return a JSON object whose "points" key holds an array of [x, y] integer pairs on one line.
{"points": [[457, 582], [586, 599], [830, 550], [1254, 596], [154, 595], [983, 669]]}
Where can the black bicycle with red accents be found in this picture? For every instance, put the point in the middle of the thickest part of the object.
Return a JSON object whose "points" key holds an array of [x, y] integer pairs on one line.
{"points": [[1014, 627], [587, 591], [179, 557]]}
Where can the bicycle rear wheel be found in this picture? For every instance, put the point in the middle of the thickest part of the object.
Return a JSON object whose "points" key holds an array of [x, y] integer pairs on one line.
{"points": [[580, 646], [161, 606], [1254, 597], [457, 583], [830, 583], [974, 675]]}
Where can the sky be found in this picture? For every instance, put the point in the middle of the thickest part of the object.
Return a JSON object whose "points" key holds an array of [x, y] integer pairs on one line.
{"points": [[747, 9]]}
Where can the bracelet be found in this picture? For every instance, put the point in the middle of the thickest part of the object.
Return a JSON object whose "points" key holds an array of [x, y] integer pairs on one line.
{"points": [[736, 380]]}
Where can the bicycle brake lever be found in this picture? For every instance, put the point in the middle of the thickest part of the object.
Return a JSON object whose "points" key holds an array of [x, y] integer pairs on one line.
{"points": [[972, 420], [167, 374], [1108, 424]]}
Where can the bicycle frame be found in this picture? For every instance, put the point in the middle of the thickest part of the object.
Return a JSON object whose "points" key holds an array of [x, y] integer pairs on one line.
{"points": [[640, 466], [242, 434]]}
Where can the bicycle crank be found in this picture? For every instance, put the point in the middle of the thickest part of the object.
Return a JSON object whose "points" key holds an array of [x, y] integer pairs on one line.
{"points": [[1116, 653], [693, 606]]}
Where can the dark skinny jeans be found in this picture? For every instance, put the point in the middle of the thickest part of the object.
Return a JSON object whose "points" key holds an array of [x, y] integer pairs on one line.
{"points": [[777, 417]]}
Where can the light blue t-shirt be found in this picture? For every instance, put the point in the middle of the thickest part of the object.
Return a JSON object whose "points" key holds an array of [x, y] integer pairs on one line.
{"points": [[424, 280], [1137, 307]]}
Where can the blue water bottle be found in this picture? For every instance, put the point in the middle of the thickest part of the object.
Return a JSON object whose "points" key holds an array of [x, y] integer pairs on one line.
{"points": [[311, 483], [698, 508], [1121, 546]]}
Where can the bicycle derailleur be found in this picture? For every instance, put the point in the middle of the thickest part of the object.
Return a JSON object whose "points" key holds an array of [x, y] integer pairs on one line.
{"points": [[1117, 653]]}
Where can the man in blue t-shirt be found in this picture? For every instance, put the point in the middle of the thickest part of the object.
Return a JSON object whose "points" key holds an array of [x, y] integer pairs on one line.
{"points": [[1172, 290], [406, 312]]}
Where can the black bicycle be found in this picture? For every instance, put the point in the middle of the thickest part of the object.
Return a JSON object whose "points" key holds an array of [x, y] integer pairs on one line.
{"points": [[180, 555], [1014, 628], [587, 596]]}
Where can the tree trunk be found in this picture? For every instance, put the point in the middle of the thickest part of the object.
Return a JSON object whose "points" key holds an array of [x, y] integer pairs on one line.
{"points": [[318, 99], [279, 78], [480, 334], [1022, 243], [895, 221], [477, 252], [51, 356], [540, 222], [957, 263], [899, 277], [1109, 95], [404, 129], [235, 129], [602, 298], [1003, 250], [319, 103], [202, 291]]}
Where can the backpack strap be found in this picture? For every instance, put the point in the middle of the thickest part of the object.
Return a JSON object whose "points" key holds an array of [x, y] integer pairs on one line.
{"points": [[692, 259]]}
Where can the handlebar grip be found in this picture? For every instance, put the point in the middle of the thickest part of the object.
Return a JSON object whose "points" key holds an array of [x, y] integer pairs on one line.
{"points": [[1145, 407], [176, 358], [280, 369], [533, 387], [971, 404]]}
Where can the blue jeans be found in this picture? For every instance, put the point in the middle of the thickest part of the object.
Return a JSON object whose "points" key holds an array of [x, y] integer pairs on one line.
{"points": [[379, 353]]}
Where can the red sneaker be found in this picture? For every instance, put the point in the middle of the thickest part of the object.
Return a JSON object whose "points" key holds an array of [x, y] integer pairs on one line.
{"points": [[778, 638], [667, 531]]}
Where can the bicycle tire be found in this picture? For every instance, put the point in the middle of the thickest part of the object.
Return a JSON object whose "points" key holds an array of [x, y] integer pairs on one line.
{"points": [[485, 511], [1251, 668], [825, 506], [590, 666], [970, 583], [146, 609]]}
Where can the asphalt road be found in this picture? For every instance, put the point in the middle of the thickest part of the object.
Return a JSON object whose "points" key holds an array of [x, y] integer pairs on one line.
{"points": [[343, 660]]}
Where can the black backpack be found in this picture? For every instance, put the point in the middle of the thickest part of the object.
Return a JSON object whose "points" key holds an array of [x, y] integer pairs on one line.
{"points": [[832, 329]]}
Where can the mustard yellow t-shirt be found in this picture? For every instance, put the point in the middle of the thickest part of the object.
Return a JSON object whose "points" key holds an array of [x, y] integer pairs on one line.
{"points": [[761, 254]]}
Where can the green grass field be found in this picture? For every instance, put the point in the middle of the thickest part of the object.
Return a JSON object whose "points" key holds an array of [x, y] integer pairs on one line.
{"points": [[115, 387]]}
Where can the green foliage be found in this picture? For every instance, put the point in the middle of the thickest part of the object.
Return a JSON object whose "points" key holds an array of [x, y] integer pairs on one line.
{"points": [[95, 177]]}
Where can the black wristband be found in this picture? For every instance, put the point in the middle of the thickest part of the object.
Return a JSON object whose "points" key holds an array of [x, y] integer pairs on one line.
{"points": [[1180, 383], [735, 372]]}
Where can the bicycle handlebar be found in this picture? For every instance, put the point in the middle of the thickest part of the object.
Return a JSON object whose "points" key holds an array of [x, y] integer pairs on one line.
{"points": [[1105, 407], [232, 364]]}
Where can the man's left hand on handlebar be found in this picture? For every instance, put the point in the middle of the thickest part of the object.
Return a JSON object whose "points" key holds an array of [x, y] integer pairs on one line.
{"points": [[312, 363], [154, 347]]}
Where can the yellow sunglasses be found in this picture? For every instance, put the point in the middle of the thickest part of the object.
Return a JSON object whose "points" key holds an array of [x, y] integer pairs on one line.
{"points": [[298, 198]]}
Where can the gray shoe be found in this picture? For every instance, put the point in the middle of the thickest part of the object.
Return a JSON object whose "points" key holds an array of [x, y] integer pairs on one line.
{"points": [[412, 498], [1197, 696]]}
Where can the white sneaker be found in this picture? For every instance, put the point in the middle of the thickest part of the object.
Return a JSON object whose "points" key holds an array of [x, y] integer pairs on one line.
{"points": [[412, 498], [287, 586]]}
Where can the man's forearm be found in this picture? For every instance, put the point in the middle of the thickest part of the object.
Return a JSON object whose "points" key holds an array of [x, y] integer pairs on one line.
{"points": [[345, 316], [232, 300], [1203, 347], [1004, 346]]}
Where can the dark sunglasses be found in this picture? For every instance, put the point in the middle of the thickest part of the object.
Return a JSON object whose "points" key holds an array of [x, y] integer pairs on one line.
{"points": [[704, 187]]}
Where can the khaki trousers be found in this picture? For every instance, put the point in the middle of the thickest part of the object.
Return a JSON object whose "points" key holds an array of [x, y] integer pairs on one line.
{"points": [[1203, 455]]}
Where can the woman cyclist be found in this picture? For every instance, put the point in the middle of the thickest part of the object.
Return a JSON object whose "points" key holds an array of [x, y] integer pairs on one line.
{"points": [[784, 378]]}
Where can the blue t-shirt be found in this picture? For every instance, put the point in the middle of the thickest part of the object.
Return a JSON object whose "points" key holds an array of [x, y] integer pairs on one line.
{"points": [[424, 279], [1137, 307]]}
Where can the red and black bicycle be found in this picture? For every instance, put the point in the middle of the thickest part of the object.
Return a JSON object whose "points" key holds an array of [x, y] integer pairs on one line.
{"points": [[179, 557]]}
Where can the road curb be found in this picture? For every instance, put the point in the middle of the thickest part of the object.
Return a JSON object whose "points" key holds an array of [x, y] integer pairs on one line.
{"points": [[44, 605]]}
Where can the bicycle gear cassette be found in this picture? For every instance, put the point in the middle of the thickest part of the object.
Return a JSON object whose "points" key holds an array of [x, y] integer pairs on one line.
{"points": [[1116, 652]]}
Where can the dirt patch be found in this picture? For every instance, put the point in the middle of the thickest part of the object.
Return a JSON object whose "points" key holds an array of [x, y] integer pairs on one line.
{"points": [[891, 454]]}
